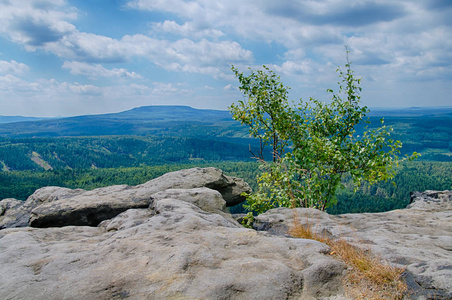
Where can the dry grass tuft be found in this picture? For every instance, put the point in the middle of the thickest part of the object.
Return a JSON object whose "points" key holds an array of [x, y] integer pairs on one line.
{"points": [[368, 277]]}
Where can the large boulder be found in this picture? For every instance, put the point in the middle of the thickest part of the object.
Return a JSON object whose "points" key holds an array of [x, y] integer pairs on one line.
{"points": [[418, 238], [172, 250], [172, 238], [90, 207], [12, 214], [231, 188], [55, 206]]}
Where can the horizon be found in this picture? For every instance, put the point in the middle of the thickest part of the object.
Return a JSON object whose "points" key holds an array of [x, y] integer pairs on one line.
{"points": [[380, 109], [69, 58]]}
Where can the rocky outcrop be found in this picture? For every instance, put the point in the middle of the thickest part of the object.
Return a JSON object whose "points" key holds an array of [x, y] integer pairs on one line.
{"points": [[418, 238], [56, 207], [172, 238], [183, 245]]}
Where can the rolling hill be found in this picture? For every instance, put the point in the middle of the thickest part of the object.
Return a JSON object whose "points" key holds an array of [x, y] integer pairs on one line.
{"points": [[147, 120]]}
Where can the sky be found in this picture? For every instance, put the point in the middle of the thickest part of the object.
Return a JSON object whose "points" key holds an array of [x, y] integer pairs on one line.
{"points": [[67, 57]]}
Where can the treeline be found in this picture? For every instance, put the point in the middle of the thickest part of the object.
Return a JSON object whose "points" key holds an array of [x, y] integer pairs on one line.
{"points": [[21, 184], [115, 152], [411, 176], [432, 137], [385, 196]]}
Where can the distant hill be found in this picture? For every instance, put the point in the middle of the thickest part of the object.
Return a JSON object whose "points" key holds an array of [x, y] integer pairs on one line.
{"points": [[12, 119], [436, 112], [147, 120], [427, 129]]}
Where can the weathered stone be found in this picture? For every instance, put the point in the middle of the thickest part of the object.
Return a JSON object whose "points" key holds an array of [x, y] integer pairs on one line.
{"points": [[172, 238], [9, 203], [207, 199], [418, 238], [231, 188], [11, 213], [89, 208], [173, 251], [56, 206], [19, 215]]}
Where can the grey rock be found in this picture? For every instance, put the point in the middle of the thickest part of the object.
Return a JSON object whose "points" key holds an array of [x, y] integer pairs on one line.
{"points": [[418, 238], [431, 200], [12, 214], [89, 208], [56, 207], [9, 203], [175, 250], [206, 199], [231, 188], [172, 238], [19, 215]]}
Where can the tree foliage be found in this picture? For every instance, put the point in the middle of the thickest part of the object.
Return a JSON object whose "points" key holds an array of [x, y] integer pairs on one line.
{"points": [[320, 138]]}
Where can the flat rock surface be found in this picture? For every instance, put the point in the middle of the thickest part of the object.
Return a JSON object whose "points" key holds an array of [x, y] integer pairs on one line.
{"points": [[172, 238], [418, 238], [173, 251]]}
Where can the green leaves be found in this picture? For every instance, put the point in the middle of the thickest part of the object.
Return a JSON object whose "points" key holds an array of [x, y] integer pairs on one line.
{"points": [[266, 110], [322, 139]]}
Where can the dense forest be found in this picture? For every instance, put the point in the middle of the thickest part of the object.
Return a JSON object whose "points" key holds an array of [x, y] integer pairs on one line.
{"points": [[411, 176], [152, 142], [116, 151]]}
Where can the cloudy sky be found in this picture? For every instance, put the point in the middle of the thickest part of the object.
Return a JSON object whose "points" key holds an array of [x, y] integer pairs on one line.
{"points": [[68, 57]]}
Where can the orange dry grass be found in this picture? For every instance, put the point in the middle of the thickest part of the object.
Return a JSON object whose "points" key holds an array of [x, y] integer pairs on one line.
{"points": [[368, 276]]}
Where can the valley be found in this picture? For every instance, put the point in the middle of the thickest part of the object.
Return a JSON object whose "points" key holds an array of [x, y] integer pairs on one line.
{"points": [[134, 146]]}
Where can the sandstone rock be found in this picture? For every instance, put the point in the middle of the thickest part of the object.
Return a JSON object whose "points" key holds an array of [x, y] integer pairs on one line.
{"points": [[418, 238], [11, 214], [89, 208], [55, 206], [231, 188], [207, 199], [172, 238], [173, 251], [431, 200], [9, 203], [19, 215]]}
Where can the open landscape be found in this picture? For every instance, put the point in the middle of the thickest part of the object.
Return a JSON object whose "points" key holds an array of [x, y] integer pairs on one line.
{"points": [[225, 150], [137, 145]]}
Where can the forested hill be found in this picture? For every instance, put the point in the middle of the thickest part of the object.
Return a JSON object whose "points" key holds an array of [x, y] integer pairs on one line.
{"points": [[13, 119], [136, 145], [184, 121], [425, 130], [147, 120]]}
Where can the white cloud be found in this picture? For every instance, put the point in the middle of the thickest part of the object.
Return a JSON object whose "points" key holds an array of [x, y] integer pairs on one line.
{"points": [[47, 27], [167, 88], [83, 89], [35, 23], [97, 70], [188, 29], [184, 55], [89, 47], [378, 32], [228, 87], [13, 67], [11, 85], [51, 97], [393, 43]]}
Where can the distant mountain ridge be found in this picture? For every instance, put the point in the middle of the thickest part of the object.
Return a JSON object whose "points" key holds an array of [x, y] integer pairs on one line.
{"points": [[145, 120], [13, 119], [171, 113], [433, 111], [167, 120]]}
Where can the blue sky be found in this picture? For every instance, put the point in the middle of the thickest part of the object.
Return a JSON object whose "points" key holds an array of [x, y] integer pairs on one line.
{"points": [[67, 57]]}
